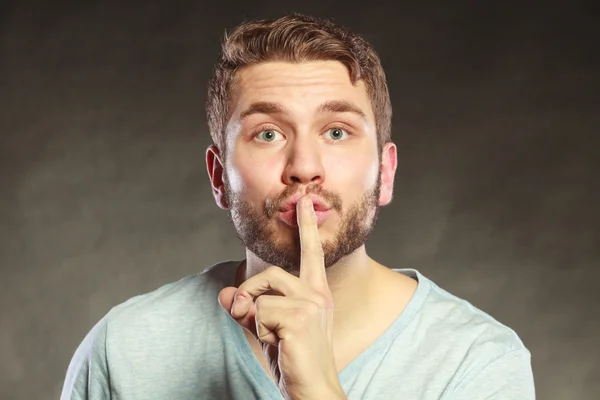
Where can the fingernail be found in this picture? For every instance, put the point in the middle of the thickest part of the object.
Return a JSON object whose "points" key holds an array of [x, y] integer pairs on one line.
{"points": [[234, 309], [237, 306]]}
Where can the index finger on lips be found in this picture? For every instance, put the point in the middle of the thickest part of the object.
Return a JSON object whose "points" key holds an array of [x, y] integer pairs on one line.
{"points": [[312, 263]]}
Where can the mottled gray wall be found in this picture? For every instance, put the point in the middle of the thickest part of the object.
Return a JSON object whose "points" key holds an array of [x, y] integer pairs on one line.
{"points": [[104, 193]]}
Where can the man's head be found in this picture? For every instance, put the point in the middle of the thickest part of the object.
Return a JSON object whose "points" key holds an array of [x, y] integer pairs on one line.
{"points": [[299, 105]]}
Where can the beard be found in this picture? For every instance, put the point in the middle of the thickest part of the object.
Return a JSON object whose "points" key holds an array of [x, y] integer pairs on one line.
{"points": [[255, 226]]}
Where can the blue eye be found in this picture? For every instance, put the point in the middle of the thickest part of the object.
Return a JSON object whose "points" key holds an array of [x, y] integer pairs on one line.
{"points": [[268, 135], [337, 134]]}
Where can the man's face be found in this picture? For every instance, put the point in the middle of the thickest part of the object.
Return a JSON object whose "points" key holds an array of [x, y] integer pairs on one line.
{"points": [[297, 129]]}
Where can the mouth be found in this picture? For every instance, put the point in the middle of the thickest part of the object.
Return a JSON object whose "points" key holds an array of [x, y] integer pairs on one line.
{"points": [[287, 210], [290, 203], [290, 217]]}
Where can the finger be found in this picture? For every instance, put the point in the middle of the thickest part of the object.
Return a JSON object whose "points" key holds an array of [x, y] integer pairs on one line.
{"points": [[225, 297], [275, 317], [247, 320], [272, 279], [312, 264]]}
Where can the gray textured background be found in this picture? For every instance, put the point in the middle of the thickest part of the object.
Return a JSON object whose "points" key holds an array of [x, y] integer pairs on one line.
{"points": [[104, 193]]}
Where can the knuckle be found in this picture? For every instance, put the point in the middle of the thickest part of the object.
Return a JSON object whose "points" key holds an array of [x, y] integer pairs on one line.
{"points": [[300, 316], [273, 270], [314, 309], [309, 311], [322, 301], [259, 302], [239, 295]]}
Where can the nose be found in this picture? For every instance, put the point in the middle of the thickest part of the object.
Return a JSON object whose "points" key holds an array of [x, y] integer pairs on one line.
{"points": [[304, 164]]}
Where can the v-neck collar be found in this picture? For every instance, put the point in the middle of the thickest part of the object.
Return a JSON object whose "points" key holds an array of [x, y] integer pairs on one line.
{"points": [[406, 316]]}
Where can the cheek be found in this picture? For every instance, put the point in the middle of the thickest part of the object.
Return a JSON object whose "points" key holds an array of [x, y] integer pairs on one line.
{"points": [[348, 173], [253, 175]]}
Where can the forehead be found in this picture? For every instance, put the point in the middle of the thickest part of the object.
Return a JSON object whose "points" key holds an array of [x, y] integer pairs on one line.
{"points": [[302, 86]]}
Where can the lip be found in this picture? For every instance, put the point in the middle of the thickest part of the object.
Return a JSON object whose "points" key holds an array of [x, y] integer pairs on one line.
{"points": [[289, 217], [290, 203], [287, 210]]}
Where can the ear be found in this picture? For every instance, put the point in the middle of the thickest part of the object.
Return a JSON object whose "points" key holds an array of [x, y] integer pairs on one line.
{"points": [[214, 167], [389, 162]]}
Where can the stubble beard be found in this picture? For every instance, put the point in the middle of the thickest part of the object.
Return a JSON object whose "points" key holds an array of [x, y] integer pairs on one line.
{"points": [[254, 226]]}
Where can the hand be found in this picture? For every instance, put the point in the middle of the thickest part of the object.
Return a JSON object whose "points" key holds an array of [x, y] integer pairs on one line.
{"points": [[294, 328]]}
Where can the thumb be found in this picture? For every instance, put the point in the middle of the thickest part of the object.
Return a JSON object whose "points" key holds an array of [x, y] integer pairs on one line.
{"points": [[247, 321]]}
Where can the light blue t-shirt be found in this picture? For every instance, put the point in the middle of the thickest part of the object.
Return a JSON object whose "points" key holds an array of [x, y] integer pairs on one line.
{"points": [[177, 343]]}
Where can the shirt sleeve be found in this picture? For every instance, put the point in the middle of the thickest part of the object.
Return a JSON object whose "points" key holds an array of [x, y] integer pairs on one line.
{"points": [[88, 376], [508, 377]]}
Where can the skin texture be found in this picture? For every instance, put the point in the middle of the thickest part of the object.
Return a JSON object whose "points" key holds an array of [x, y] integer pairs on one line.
{"points": [[278, 156]]}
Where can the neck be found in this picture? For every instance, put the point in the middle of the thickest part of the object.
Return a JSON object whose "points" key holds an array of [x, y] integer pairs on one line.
{"points": [[350, 281]]}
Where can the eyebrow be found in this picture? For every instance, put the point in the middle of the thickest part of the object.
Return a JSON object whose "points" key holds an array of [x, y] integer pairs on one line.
{"points": [[333, 106]]}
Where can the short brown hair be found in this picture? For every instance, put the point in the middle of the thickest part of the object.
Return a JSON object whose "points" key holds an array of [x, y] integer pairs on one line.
{"points": [[295, 38]]}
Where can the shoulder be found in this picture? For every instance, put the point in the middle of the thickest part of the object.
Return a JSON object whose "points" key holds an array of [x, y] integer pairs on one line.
{"points": [[471, 323], [180, 300], [145, 331], [468, 337]]}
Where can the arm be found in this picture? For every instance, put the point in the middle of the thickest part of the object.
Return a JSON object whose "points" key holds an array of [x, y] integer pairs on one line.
{"points": [[508, 377], [88, 377]]}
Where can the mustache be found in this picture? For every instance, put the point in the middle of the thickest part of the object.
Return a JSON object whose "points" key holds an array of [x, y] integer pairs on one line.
{"points": [[334, 200]]}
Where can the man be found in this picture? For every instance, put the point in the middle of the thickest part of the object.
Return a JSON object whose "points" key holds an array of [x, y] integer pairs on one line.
{"points": [[299, 112]]}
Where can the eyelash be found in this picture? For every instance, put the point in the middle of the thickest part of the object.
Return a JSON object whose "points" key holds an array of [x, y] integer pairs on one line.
{"points": [[271, 127]]}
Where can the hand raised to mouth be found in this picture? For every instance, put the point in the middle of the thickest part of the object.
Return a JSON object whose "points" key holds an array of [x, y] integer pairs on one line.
{"points": [[294, 329]]}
